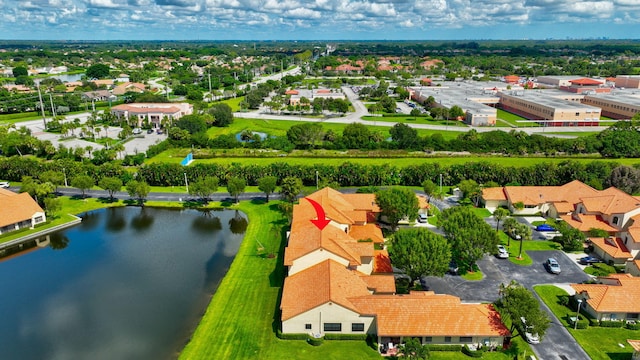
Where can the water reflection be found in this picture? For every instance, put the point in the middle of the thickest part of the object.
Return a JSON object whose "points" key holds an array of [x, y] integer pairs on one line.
{"points": [[143, 220], [238, 223], [58, 241], [114, 294], [206, 222], [116, 220]]}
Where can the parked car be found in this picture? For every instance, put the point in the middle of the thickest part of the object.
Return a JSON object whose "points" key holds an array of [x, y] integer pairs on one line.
{"points": [[160, 132], [513, 235], [137, 131], [453, 268], [528, 336], [502, 252], [422, 218], [587, 260], [545, 227], [553, 266], [150, 131], [4, 184]]}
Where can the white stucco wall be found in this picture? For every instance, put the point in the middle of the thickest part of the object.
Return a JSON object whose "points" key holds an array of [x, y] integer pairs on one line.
{"points": [[328, 313], [314, 258]]}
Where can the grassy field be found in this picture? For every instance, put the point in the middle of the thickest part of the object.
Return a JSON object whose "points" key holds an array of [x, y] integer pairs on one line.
{"points": [[599, 342], [513, 119], [280, 127], [256, 157]]}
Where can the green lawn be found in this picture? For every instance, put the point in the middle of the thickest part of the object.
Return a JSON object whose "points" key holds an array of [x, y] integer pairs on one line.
{"points": [[255, 157], [599, 342], [513, 119]]}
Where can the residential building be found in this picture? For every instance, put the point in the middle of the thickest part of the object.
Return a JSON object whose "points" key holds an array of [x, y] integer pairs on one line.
{"points": [[615, 297], [339, 283], [129, 87], [154, 113], [19, 211]]}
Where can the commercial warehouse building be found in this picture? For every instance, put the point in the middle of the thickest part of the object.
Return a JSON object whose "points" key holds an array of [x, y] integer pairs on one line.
{"points": [[618, 105], [558, 110]]}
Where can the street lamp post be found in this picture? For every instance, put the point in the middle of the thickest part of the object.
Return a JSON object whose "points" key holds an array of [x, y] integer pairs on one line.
{"points": [[186, 183], [316, 179], [575, 325], [64, 171]]}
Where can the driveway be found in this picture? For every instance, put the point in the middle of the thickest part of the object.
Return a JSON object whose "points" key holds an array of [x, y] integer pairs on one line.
{"points": [[557, 341]]}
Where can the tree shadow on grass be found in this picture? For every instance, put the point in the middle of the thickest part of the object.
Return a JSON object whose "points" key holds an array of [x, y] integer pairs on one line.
{"points": [[620, 356]]}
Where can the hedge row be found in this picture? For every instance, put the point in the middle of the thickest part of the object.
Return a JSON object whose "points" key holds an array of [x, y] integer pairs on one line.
{"points": [[437, 347], [612, 323], [345, 336], [472, 353]]}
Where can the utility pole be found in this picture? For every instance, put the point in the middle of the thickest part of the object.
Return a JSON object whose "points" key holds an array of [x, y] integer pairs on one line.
{"points": [[44, 119], [210, 93], [53, 110]]}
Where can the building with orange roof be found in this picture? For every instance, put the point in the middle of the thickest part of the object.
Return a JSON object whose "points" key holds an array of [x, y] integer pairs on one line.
{"points": [[128, 87], [339, 283], [19, 211], [611, 249], [152, 112], [615, 297]]}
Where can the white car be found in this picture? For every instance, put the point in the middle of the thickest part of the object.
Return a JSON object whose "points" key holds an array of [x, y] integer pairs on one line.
{"points": [[502, 252], [528, 336], [4, 184]]}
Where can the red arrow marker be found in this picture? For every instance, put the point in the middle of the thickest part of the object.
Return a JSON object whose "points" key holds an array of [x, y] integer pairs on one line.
{"points": [[320, 222]]}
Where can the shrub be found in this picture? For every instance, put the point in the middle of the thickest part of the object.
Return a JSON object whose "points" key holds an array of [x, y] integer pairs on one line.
{"points": [[282, 336], [314, 341], [633, 326], [438, 347], [611, 323], [345, 336], [582, 323], [472, 353]]}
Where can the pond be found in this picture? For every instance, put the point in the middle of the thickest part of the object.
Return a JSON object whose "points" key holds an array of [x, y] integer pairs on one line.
{"points": [[127, 283]]}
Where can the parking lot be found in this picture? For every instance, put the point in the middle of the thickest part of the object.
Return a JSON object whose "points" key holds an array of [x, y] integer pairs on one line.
{"points": [[557, 340]]}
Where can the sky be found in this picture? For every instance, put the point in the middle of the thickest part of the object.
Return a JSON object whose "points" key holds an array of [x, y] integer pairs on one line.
{"points": [[318, 19]]}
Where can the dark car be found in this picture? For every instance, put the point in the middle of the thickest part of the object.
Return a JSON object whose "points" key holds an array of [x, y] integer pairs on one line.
{"points": [[453, 268], [160, 131], [587, 260], [545, 227], [150, 131]]}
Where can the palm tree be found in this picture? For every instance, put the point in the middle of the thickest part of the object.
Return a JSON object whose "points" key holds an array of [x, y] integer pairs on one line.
{"points": [[500, 214]]}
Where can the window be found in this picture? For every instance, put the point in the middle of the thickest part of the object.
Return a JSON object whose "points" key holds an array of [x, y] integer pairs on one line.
{"points": [[332, 327], [428, 339], [447, 339], [357, 327], [307, 326], [615, 220], [38, 219], [465, 339]]}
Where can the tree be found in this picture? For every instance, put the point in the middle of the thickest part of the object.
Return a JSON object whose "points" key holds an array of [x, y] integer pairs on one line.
{"points": [[412, 349], [430, 188], [204, 187], [396, 204], [267, 185], [517, 302], [406, 136], [625, 178], [235, 187], [356, 136], [471, 190], [508, 227], [500, 214], [52, 205], [571, 238], [97, 71], [305, 135], [470, 236], [456, 112], [290, 188], [522, 232], [420, 252], [222, 114], [82, 182], [139, 190], [20, 71], [111, 184], [54, 177], [192, 123]]}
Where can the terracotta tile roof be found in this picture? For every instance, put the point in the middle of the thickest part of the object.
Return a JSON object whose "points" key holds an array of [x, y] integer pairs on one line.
{"points": [[430, 315], [345, 208], [585, 222], [564, 207], [143, 110], [328, 281], [16, 207], [496, 193], [585, 81], [635, 344], [367, 231], [366, 202], [423, 203], [611, 201], [382, 262], [380, 283], [305, 238], [613, 247], [622, 297], [534, 195]]}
